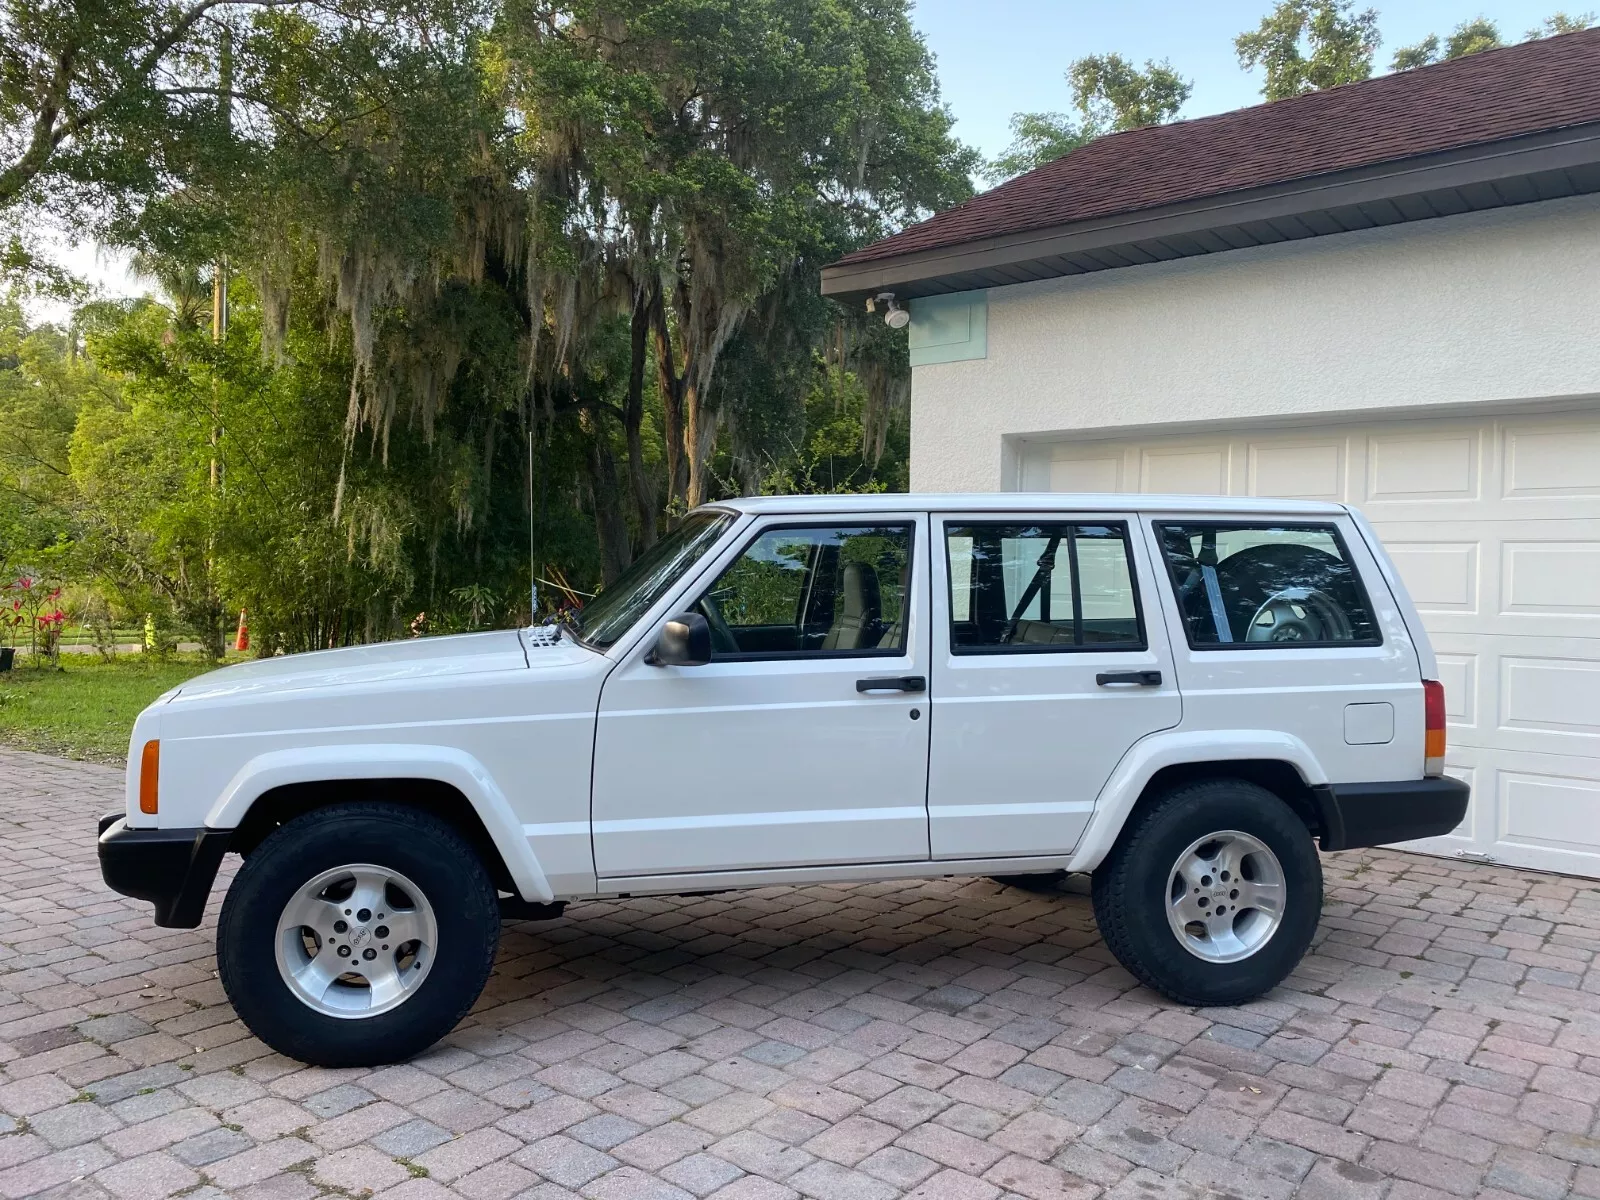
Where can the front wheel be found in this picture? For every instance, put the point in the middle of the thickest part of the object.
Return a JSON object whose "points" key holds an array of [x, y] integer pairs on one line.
{"points": [[357, 935], [1212, 894]]}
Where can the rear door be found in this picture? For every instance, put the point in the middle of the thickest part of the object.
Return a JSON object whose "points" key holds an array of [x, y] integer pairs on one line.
{"points": [[1286, 625], [1050, 661]]}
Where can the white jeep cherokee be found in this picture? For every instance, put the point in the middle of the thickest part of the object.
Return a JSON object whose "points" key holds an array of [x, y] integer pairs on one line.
{"points": [[1182, 696]]}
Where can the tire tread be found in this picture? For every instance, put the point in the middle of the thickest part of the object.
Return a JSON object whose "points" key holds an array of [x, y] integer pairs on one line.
{"points": [[478, 904], [1111, 880]]}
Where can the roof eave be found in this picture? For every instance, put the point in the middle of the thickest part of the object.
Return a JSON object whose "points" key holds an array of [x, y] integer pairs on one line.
{"points": [[1044, 253]]}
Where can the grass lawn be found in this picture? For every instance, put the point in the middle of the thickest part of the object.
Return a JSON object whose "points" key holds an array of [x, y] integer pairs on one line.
{"points": [[86, 708]]}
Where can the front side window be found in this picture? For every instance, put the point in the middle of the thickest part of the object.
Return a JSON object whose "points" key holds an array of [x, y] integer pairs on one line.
{"points": [[1048, 586], [835, 589], [628, 597], [1244, 584]]}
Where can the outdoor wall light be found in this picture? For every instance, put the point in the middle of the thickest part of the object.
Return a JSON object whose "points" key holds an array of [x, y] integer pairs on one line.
{"points": [[894, 316]]}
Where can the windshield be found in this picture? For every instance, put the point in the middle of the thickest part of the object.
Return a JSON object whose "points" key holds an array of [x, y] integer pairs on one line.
{"points": [[625, 599]]}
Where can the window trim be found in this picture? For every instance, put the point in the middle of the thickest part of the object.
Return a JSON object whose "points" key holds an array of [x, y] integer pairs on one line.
{"points": [[1073, 520], [1331, 527], [909, 524]]}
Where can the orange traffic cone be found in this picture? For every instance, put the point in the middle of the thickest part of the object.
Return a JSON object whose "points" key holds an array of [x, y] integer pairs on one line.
{"points": [[242, 642]]}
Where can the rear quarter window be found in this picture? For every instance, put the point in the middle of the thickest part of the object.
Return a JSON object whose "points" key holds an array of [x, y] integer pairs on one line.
{"points": [[1256, 585]]}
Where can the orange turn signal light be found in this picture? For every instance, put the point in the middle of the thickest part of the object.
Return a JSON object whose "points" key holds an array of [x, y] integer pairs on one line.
{"points": [[1433, 736], [149, 773]]}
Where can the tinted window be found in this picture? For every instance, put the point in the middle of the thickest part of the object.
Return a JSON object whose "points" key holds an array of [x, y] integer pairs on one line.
{"points": [[1241, 585], [1046, 586], [819, 590]]}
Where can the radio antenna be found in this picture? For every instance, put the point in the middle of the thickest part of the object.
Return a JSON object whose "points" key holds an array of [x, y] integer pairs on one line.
{"points": [[533, 568]]}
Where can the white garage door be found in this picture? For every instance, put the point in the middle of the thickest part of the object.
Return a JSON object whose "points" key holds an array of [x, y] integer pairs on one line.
{"points": [[1495, 527]]}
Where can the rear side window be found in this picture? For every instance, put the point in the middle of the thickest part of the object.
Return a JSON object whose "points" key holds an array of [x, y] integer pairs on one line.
{"points": [[1252, 585], [1051, 586]]}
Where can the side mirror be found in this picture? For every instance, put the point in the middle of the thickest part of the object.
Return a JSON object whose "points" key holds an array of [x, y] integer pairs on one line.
{"points": [[685, 641]]}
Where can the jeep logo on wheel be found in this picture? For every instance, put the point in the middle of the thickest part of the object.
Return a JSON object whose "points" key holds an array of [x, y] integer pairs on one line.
{"points": [[360, 937]]}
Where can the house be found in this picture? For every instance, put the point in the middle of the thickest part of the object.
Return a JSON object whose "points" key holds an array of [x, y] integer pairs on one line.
{"points": [[1387, 293]]}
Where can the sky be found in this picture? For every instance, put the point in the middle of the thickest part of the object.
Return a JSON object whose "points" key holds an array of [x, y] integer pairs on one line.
{"points": [[998, 57]]}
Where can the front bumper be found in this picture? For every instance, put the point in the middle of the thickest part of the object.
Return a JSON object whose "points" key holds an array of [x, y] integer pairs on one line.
{"points": [[172, 868], [1379, 814]]}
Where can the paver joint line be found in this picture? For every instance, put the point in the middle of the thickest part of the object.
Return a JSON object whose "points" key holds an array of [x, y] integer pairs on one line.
{"points": [[939, 1039]]}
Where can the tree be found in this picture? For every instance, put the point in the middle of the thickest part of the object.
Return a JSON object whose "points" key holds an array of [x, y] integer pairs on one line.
{"points": [[1307, 45], [1110, 95], [110, 102], [537, 280], [1559, 23], [1469, 37], [1478, 34], [706, 146]]}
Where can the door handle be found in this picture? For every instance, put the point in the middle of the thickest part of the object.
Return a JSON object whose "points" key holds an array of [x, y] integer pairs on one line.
{"points": [[1142, 678], [894, 683]]}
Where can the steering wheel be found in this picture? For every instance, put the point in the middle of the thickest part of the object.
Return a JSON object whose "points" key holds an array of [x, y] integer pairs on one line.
{"points": [[1299, 614], [722, 639]]}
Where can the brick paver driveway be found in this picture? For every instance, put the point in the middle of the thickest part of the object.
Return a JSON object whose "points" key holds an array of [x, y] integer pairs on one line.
{"points": [[950, 1039]]}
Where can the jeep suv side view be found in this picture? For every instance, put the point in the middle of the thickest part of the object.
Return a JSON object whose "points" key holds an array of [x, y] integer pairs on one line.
{"points": [[1182, 696]]}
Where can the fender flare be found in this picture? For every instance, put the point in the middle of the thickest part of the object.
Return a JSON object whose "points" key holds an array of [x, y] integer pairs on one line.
{"points": [[444, 764], [1169, 749]]}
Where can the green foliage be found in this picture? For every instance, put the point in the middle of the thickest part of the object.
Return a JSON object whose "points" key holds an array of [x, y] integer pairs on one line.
{"points": [[498, 283], [1559, 23], [1036, 138], [1110, 95], [1308, 45], [1478, 34], [1113, 94]]}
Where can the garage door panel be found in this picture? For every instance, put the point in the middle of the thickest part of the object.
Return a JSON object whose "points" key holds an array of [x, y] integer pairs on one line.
{"points": [[1092, 473], [1441, 576], [1551, 699], [1418, 466], [1551, 578], [1549, 814], [1551, 462], [1303, 471], [1494, 525], [1199, 471], [1459, 674]]}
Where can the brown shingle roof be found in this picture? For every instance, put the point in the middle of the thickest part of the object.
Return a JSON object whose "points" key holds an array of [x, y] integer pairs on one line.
{"points": [[1525, 89]]}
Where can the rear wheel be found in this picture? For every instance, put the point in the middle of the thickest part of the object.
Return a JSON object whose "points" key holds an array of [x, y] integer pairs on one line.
{"points": [[357, 935], [1212, 893]]}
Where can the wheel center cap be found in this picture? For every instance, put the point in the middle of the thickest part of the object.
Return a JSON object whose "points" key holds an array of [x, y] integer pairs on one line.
{"points": [[360, 936]]}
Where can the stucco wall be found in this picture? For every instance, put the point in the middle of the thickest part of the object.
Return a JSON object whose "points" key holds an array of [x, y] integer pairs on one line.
{"points": [[1484, 307]]}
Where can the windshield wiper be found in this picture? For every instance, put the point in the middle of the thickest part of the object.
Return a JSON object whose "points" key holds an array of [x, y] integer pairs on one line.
{"points": [[568, 619]]}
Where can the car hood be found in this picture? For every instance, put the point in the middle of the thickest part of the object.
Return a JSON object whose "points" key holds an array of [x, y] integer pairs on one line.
{"points": [[413, 659]]}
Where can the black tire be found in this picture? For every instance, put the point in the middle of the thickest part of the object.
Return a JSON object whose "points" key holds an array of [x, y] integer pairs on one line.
{"points": [[1130, 891], [423, 848], [1039, 881]]}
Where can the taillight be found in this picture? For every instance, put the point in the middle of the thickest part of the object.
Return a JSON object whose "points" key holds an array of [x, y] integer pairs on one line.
{"points": [[149, 775], [1433, 727]]}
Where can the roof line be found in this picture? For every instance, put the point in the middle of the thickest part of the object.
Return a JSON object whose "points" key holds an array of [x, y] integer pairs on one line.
{"points": [[1554, 149]]}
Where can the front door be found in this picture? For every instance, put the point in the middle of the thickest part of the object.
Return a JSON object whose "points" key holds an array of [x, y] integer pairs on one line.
{"points": [[1051, 661], [804, 742]]}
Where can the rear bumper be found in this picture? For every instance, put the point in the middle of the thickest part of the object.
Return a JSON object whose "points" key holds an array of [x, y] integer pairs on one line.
{"points": [[172, 868], [1379, 814]]}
